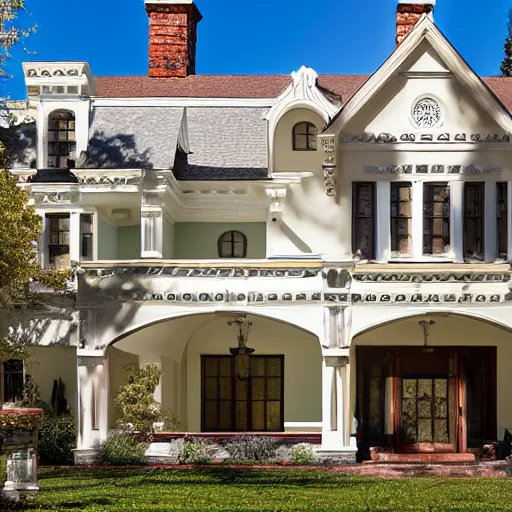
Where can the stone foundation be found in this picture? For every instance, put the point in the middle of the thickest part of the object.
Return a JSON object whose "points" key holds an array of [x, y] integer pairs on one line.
{"points": [[85, 457]]}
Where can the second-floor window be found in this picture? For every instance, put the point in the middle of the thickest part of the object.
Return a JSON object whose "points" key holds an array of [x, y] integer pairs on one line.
{"points": [[86, 237], [436, 219], [401, 219], [502, 222], [13, 379], [61, 138], [474, 221], [363, 220], [305, 137], [58, 240], [232, 244]]}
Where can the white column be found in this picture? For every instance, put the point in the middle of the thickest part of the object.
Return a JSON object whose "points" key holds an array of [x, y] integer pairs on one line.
{"points": [[151, 232], [383, 232], [74, 237], [457, 219], [490, 225], [93, 398], [417, 219], [42, 132], [509, 219]]}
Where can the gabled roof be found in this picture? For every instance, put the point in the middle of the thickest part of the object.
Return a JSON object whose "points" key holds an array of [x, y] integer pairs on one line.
{"points": [[425, 29]]}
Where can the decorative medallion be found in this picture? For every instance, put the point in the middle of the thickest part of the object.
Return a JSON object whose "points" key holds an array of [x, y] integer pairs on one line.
{"points": [[426, 113]]}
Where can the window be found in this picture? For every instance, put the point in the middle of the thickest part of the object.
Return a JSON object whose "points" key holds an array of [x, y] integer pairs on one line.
{"points": [[363, 220], [501, 214], [474, 221], [61, 138], [401, 219], [305, 137], [86, 237], [232, 244], [13, 380], [436, 218], [58, 240]]}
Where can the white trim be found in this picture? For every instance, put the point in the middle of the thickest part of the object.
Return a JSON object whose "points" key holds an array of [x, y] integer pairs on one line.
{"points": [[417, 220], [183, 102], [490, 226], [383, 221], [457, 219], [427, 146]]}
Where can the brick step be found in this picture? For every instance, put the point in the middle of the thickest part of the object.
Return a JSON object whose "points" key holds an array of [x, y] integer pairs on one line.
{"points": [[423, 458]]}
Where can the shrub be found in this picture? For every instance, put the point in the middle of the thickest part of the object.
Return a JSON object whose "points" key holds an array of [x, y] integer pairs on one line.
{"points": [[504, 448], [170, 420], [251, 449], [196, 451], [122, 449], [302, 454], [57, 440]]}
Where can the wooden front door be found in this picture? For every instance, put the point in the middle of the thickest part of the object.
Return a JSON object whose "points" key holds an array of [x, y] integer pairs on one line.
{"points": [[234, 404]]}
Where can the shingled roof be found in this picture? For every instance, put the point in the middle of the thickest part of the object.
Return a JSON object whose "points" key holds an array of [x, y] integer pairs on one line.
{"points": [[246, 86]]}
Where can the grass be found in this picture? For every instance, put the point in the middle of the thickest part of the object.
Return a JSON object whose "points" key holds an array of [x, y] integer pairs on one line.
{"points": [[222, 489]]}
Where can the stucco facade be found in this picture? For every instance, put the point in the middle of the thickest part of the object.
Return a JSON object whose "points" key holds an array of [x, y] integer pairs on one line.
{"points": [[158, 179]]}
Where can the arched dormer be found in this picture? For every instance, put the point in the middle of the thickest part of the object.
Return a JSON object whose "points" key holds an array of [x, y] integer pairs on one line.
{"points": [[61, 138]]}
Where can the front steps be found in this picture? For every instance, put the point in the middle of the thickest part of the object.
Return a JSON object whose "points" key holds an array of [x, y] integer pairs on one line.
{"points": [[422, 458]]}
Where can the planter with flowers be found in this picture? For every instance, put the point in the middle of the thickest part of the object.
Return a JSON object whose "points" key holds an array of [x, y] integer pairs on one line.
{"points": [[18, 436]]}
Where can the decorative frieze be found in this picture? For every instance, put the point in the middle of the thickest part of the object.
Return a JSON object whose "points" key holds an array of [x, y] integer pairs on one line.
{"points": [[68, 197], [440, 138], [431, 169], [329, 164], [429, 298], [431, 277]]}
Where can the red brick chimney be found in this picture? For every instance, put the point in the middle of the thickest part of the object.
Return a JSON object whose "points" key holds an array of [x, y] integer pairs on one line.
{"points": [[408, 14], [172, 37]]}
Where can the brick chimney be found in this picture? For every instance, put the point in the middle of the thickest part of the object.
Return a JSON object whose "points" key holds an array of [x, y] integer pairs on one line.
{"points": [[172, 37], [408, 14]]}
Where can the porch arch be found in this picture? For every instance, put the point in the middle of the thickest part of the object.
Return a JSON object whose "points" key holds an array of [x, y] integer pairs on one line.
{"points": [[178, 344]]}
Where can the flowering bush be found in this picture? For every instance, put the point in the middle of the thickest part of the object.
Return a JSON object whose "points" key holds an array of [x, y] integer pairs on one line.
{"points": [[20, 419]]}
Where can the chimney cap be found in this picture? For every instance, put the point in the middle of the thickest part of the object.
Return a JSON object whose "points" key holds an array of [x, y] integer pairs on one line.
{"points": [[416, 2], [170, 2]]}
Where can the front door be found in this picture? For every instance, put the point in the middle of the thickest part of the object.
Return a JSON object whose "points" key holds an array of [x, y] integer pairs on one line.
{"points": [[231, 403], [426, 415]]}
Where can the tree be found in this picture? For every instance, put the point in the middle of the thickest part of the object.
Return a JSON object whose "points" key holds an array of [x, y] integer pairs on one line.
{"points": [[506, 65]]}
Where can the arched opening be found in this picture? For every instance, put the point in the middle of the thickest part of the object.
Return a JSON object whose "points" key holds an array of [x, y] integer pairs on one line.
{"points": [[432, 384], [203, 383], [61, 139]]}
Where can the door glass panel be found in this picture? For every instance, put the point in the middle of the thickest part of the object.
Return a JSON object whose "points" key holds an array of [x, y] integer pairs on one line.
{"points": [[210, 388], [258, 416], [274, 389], [210, 415], [274, 416], [258, 389], [274, 367], [257, 367], [225, 415], [226, 366], [225, 388], [241, 416]]}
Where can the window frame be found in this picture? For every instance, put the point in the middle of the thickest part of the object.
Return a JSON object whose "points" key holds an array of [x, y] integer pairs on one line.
{"points": [[433, 217], [395, 254], [355, 217], [68, 143], [232, 241], [5, 374], [307, 134], [502, 220], [57, 216], [481, 186]]}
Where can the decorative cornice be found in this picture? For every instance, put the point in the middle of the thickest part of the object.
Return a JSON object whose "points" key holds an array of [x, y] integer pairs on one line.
{"points": [[328, 143], [431, 169], [422, 138], [430, 298], [432, 277]]}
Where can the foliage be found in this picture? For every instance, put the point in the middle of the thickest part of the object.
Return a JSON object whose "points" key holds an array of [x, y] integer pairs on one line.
{"points": [[302, 454], [503, 448], [59, 402], [122, 449], [31, 395], [135, 400], [506, 65], [196, 451], [247, 449], [20, 419], [57, 440], [224, 489], [170, 420]]}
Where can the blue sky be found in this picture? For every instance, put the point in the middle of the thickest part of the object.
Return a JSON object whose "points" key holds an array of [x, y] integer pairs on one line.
{"points": [[254, 36]]}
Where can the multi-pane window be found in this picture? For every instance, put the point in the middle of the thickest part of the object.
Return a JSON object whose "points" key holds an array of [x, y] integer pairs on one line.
{"points": [[474, 220], [436, 218], [58, 240], [305, 137], [401, 219], [86, 237], [502, 224], [363, 220], [232, 244], [61, 138], [13, 380]]}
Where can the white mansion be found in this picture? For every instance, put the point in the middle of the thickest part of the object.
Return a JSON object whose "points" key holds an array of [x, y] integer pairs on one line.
{"points": [[361, 224]]}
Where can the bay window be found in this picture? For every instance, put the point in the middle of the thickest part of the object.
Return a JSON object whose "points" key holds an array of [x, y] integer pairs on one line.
{"points": [[363, 220]]}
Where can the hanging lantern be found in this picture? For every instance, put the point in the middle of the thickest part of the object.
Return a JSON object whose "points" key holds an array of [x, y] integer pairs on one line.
{"points": [[242, 327]]}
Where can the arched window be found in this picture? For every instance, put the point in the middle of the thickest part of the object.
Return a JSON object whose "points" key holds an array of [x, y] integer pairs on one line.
{"points": [[232, 244], [304, 137], [61, 138]]}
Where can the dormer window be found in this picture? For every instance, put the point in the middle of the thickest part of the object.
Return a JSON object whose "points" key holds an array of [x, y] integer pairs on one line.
{"points": [[305, 137], [232, 244], [61, 138]]}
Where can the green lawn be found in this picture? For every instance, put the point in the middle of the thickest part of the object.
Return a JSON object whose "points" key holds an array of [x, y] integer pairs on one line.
{"points": [[221, 489]]}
